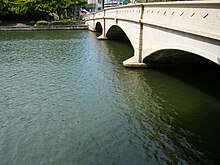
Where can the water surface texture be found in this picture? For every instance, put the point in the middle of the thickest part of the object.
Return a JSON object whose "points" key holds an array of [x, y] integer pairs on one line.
{"points": [[65, 98]]}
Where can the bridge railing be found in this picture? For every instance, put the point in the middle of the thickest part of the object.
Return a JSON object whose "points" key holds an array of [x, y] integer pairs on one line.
{"points": [[200, 17], [129, 13], [99, 15]]}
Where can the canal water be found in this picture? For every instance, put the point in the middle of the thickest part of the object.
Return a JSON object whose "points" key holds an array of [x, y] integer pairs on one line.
{"points": [[65, 98]]}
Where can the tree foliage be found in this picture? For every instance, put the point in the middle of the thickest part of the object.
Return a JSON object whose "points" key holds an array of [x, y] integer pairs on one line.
{"points": [[3, 7], [21, 7]]}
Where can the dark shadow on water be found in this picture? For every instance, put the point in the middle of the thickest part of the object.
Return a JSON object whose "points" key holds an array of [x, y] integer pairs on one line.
{"points": [[198, 122], [202, 121], [206, 79], [119, 49]]}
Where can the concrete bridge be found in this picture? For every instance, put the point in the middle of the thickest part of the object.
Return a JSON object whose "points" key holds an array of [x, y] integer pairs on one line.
{"points": [[151, 27]]}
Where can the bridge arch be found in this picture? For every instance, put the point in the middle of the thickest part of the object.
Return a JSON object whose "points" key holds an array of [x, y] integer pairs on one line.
{"points": [[160, 38]]}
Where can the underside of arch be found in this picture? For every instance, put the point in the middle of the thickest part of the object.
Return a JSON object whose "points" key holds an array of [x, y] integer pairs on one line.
{"points": [[116, 33], [98, 27], [176, 58]]}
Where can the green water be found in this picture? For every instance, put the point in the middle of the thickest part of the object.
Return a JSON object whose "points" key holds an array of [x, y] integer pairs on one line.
{"points": [[65, 98]]}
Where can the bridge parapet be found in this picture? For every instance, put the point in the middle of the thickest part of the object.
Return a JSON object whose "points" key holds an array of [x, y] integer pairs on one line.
{"points": [[99, 15], [129, 13], [199, 18]]}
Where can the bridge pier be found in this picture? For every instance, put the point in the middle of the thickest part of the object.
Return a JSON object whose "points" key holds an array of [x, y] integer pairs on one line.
{"points": [[136, 61], [132, 63], [102, 37]]}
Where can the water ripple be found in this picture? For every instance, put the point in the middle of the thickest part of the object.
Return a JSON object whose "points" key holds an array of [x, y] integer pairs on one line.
{"points": [[66, 99]]}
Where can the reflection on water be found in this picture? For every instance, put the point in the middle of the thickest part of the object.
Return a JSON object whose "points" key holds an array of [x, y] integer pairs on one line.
{"points": [[67, 99]]}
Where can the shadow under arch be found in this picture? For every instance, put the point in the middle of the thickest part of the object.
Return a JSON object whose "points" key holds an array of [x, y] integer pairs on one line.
{"points": [[177, 58], [116, 33], [98, 27]]}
